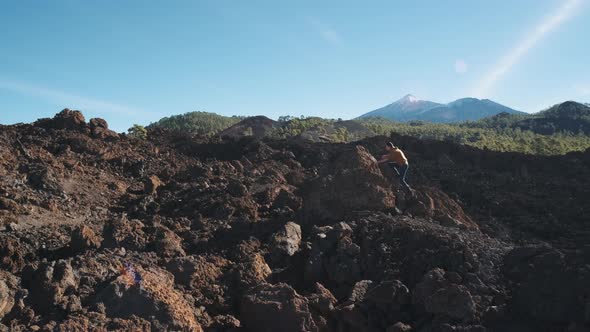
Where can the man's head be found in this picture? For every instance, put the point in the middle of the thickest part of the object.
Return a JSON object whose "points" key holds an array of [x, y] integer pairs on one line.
{"points": [[389, 146]]}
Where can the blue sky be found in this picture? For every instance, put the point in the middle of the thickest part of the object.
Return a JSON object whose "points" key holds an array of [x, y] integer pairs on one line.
{"points": [[137, 61]]}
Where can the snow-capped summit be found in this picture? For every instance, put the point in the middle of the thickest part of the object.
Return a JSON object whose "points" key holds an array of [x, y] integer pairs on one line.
{"points": [[411, 108], [410, 99], [403, 108]]}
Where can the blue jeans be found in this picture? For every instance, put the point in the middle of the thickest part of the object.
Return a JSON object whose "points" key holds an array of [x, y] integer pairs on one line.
{"points": [[401, 171]]}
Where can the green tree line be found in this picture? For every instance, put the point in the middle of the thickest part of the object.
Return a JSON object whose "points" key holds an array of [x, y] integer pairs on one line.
{"points": [[500, 133]]}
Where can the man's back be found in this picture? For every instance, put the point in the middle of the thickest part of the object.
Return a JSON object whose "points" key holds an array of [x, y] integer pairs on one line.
{"points": [[397, 156]]}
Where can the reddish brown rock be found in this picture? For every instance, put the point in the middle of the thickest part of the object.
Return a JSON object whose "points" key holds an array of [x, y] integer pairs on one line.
{"points": [[276, 308], [435, 204], [154, 296], [8, 288], [84, 238], [66, 119], [354, 182], [151, 184], [99, 128]]}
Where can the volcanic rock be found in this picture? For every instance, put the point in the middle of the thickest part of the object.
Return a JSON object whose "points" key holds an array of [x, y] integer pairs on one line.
{"points": [[151, 184], [477, 247], [51, 286], [286, 241], [438, 296], [8, 288], [99, 128], [399, 327], [153, 296], [84, 238], [353, 182], [276, 307], [66, 119]]}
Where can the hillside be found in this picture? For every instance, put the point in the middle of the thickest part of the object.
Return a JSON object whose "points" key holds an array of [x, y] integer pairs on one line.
{"points": [[466, 109], [179, 232], [255, 126], [410, 108], [200, 123], [491, 133], [567, 117]]}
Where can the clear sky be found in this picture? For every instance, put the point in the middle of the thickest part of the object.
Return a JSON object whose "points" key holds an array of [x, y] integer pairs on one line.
{"points": [[137, 61]]}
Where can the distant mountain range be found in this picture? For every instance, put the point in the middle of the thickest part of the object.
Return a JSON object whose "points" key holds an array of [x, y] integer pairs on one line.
{"points": [[410, 108]]}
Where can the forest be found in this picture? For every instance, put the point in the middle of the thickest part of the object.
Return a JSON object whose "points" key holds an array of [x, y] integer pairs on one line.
{"points": [[558, 130]]}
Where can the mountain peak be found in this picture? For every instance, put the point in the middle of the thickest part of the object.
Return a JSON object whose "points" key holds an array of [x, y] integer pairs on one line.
{"points": [[411, 108], [409, 98]]}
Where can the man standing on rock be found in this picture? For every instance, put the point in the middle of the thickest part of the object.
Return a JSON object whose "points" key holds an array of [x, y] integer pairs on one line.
{"points": [[398, 161]]}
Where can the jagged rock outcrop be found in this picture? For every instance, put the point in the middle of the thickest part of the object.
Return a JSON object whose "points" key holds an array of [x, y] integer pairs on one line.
{"points": [[84, 238], [434, 204], [66, 119], [8, 289], [154, 296], [352, 182], [99, 128], [276, 307], [53, 286]]}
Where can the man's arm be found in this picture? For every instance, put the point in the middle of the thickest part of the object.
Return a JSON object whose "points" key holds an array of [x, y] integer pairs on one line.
{"points": [[383, 159]]}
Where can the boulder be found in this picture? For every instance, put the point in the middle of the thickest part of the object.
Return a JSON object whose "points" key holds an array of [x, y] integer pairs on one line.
{"points": [[8, 289], [454, 301], [286, 198], [334, 257], [196, 271], [373, 307], [202, 276], [125, 233], [389, 296], [322, 300], [96, 123], [399, 327], [167, 244], [226, 323], [251, 270], [286, 241], [66, 119], [51, 284], [151, 184], [353, 182], [12, 227], [357, 294], [154, 296], [277, 307], [99, 128], [437, 295], [14, 253], [41, 176], [84, 238]]}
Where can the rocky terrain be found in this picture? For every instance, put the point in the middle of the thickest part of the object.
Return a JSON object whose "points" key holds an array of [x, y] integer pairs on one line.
{"points": [[102, 232]]}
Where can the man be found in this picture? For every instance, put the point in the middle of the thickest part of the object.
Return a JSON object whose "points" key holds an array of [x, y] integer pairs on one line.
{"points": [[398, 161]]}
